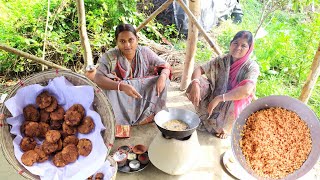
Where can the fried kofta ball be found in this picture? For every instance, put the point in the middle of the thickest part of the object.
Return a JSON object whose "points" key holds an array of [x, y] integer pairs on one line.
{"points": [[43, 129], [32, 129], [52, 136], [70, 140], [23, 127], [58, 160], [42, 155], [27, 143], [60, 145], [44, 99], [57, 114], [44, 116], [29, 158], [84, 147], [99, 176], [86, 125], [49, 148], [56, 125], [79, 108], [90, 177], [72, 118], [69, 130], [53, 106], [31, 113], [70, 153]]}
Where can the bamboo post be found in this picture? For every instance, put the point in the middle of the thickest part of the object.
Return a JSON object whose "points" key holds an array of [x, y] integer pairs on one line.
{"points": [[154, 14], [45, 36], [87, 54], [195, 7], [202, 31], [312, 78], [31, 57]]}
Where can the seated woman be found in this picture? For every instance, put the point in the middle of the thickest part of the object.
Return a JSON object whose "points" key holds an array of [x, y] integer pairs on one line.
{"points": [[228, 88], [134, 78]]}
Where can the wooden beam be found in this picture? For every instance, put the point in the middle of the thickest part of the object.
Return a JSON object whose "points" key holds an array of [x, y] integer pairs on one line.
{"points": [[154, 14], [195, 8], [202, 31], [312, 78], [31, 57]]}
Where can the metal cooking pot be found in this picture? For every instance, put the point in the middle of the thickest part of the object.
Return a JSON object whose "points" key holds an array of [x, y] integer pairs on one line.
{"points": [[289, 103], [184, 115]]}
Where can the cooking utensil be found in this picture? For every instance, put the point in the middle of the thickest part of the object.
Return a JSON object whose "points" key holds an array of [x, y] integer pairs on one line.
{"points": [[288, 103], [184, 115], [142, 98]]}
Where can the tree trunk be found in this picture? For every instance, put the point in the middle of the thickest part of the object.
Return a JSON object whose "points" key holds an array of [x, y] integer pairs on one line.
{"points": [[193, 19], [31, 57], [87, 54], [312, 78], [194, 6]]}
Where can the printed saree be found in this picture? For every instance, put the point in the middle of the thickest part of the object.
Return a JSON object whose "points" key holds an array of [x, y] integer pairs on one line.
{"points": [[143, 74], [219, 81]]}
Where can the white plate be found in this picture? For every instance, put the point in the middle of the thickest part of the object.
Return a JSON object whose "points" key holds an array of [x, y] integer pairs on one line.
{"points": [[233, 167]]}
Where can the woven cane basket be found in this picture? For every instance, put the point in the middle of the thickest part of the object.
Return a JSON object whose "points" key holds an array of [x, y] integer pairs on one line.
{"points": [[114, 165], [100, 104]]}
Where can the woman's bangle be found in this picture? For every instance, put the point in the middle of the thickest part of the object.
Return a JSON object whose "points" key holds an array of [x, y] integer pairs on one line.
{"points": [[196, 80], [223, 99], [119, 85], [164, 73]]}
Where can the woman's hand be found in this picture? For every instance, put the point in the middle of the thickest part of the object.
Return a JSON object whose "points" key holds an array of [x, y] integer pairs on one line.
{"points": [[161, 83], [194, 95], [215, 101], [130, 90]]}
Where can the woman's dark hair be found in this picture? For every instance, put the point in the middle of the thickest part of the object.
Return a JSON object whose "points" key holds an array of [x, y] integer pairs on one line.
{"points": [[125, 27], [243, 34]]}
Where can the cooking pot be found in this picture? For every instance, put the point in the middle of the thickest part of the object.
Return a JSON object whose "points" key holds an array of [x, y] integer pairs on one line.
{"points": [[184, 115], [288, 103]]}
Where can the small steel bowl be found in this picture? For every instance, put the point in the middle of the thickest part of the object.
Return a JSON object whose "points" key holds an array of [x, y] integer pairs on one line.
{"points": [[134, 165], [143, 158], [120, 157], [125, 148], [139, 149]]}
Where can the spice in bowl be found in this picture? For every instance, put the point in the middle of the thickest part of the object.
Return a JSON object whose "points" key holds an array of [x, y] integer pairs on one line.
{"points": [[134, 165], [125, 148], [139, 149], [143, 158], [132, 156], [120, 157]]}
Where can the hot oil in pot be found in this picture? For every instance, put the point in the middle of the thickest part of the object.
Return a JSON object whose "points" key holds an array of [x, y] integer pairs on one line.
{"points": [[175, 125]]}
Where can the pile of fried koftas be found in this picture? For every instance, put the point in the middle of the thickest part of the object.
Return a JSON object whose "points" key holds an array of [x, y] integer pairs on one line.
{"points": [[57, 128]]}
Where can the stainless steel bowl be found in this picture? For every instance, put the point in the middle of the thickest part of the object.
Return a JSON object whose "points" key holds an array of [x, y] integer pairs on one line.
{"points": [[288, 103], [184, 115]]}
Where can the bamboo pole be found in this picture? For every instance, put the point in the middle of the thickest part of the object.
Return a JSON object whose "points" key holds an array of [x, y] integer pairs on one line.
{"points": [[154, 14], [195, 8], [85, 44], [312, 78], [45, 36], [31, 57], [202, 31]]}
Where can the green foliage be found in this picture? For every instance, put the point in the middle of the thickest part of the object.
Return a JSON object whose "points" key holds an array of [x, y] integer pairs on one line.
{"points": [[285, 54]]}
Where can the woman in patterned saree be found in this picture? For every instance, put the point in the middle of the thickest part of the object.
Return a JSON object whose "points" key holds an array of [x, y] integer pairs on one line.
{"points": [[228, 88], [134, 78]]}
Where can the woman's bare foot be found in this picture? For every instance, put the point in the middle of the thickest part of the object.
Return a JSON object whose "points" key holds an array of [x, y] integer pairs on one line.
{"points": [[222, 135]]}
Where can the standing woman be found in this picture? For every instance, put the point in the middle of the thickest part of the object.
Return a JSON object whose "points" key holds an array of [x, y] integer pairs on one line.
{"points": [[129, 73], [228, 88]]}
